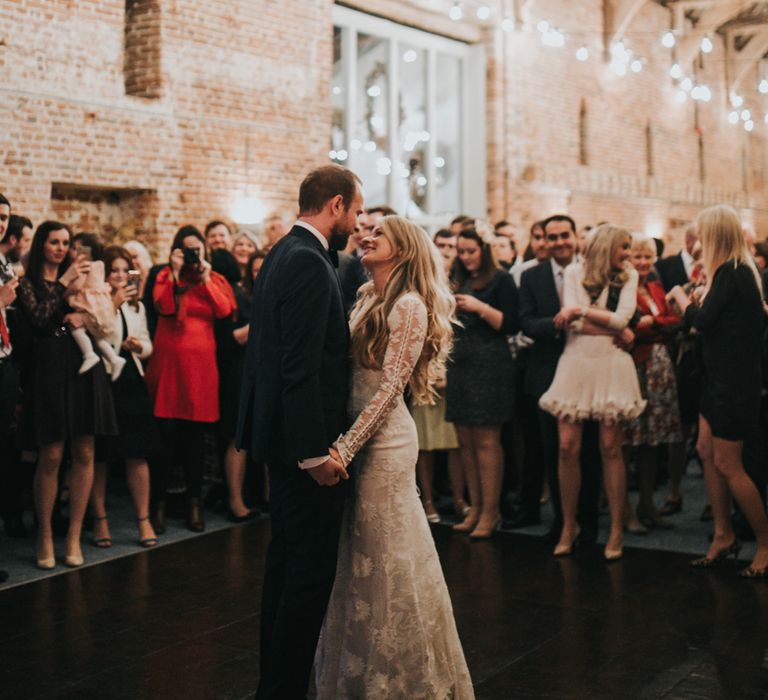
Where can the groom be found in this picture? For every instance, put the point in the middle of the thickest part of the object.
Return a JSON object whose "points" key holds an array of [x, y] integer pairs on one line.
{"points": [[293, 406]]}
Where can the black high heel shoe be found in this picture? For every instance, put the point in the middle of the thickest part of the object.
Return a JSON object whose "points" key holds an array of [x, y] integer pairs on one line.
{"points": [[754, 574], [720, 558]]}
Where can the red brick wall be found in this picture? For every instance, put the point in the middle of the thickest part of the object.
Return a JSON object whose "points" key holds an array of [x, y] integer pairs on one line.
{"points": [[253, 76]]}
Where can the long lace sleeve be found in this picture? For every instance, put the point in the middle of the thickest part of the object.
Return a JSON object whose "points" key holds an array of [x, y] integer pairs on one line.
{"points": [[40, 311], [407, 332]]}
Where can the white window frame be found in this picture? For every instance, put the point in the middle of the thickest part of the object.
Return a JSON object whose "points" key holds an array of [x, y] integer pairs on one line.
{"points": [[473, 103]]}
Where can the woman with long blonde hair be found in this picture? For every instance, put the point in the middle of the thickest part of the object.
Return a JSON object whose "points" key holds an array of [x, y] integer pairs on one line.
{"points": [[389, 609], [595, 379], [730, 319]]}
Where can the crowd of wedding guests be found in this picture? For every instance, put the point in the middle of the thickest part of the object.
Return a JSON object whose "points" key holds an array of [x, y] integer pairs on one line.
{"points": [[582, 358], [110, 362]]}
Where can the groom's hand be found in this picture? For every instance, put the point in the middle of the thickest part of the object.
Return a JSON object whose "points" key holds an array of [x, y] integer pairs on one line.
{"points": [[329, 473]]}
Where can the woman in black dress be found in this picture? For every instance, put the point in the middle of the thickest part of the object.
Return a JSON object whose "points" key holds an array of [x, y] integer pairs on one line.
{"points": [[231, 337], [138, 435], [62, 404], [481, 375], [730, 318]]}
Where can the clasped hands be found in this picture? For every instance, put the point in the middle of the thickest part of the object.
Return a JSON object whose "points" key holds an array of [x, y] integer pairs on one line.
{"points": [[330, 472], [568, 314]]}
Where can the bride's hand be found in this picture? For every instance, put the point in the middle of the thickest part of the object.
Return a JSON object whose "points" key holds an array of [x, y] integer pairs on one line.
{"points": [[335, 454]]}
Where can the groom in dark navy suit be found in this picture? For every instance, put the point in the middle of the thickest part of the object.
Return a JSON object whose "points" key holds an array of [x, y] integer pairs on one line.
{"points": [[293, 407]]}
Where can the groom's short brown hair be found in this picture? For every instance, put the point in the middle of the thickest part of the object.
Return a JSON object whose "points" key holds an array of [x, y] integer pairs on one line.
{"points": [[325, 183]]}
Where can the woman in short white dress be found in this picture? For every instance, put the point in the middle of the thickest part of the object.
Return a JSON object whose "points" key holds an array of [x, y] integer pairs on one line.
{"points": [[596, 377]]}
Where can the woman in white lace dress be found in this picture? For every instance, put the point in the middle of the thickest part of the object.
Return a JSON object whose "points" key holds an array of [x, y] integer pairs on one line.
{"points": [[595, 379], [389, 631]]}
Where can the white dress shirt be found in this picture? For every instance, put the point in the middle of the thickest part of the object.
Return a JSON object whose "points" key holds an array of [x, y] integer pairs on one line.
{"points": [[687, 262], [312, 462], [559, 273], [5, 351]]}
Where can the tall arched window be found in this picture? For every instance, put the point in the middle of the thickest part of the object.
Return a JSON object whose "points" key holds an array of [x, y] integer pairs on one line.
{"points": [[649, 149], [583, 134]]}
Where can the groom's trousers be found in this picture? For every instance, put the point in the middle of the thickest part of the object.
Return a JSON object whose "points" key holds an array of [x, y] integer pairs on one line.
{"points": [[300, 569]]}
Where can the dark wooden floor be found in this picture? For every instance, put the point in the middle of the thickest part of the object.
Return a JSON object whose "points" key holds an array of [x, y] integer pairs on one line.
{"points": [[182, 621]]}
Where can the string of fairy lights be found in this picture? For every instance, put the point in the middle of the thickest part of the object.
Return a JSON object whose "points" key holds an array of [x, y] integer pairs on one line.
{"points": [[622, 60]]}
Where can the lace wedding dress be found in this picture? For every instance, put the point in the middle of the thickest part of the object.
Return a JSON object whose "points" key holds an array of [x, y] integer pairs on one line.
{"points": [[389, 631]]}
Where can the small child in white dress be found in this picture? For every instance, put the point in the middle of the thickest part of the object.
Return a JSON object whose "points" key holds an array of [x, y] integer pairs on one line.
{"points": [[93, 299]]}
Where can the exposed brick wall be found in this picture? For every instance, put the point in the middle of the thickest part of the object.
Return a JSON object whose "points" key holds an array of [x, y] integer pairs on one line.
{"points": [[253, 76], [142, 64]]}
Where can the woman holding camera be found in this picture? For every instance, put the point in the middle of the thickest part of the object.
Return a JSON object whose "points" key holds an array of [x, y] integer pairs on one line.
{"points": [[182, 376], [136, 424]]}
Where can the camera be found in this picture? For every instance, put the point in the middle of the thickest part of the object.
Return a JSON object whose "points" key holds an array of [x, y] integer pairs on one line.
{"points": [[6, 273], [134, 278], [191, 257]]}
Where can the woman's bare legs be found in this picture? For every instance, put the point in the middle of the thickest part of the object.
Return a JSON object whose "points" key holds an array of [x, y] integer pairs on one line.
{"points": [[615, 478], [45, 487], [467, 450], [458, 483], [137, 476], [234, 469], [80, 484], [489, 460], [98, 504], [729, 467], [569, 473]]}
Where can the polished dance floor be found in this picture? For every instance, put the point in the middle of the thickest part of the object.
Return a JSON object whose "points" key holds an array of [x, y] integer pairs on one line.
{"points": [[182, 621]]}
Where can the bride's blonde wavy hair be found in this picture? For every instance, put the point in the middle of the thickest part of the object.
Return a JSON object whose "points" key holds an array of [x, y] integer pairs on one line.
{"points": [[598, 271], [420, 270]]}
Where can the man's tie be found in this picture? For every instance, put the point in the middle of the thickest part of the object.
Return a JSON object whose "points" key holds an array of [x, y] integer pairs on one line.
{"points": [[559, 284], [5, 339], [334, 256]]}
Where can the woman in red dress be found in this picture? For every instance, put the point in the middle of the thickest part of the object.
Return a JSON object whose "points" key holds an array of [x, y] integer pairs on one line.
{"points": [[182, 376]]}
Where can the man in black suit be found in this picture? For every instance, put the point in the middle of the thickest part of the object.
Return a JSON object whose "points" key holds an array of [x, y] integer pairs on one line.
{"points": [[676, 269], [293, 406], [541, 290]]}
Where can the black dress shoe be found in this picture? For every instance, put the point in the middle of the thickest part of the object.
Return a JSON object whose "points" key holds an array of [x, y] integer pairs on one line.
{"points": [[522, 519], [252, 514]]}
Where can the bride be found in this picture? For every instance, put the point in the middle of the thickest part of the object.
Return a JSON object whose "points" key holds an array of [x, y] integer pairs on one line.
{"points": [[389, 630]]}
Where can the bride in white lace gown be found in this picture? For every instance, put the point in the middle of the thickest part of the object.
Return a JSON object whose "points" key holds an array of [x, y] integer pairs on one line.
{"points": [[389, 631]]}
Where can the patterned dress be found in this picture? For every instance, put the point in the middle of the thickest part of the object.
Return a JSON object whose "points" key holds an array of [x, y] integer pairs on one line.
{"points": [[659, 424], [389, 631]]}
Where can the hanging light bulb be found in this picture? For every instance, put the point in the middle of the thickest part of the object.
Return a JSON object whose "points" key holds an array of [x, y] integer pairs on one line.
{"points": [[582, 54], [736, 100], [733, 117], [686, 84], [636, 65], [765, 118], [746, 115], [619, 68], [707, 45], [749, 125], [763, 86], [676, 71], [508, 24], [668, 40], [456, 13], [483, 12], [553, 37], [681, 96]]}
